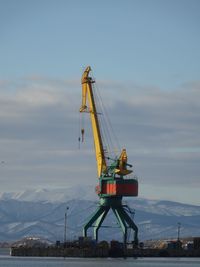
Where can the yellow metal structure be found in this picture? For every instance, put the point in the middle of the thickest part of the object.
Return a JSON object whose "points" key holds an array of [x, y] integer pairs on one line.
{"points": [[122, 170], [87, 94]]}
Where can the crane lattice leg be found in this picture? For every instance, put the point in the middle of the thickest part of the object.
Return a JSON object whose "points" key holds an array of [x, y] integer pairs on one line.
{"points": [[125, 222], [122, 222], [99, 216], [99, 222], [131, 224]]}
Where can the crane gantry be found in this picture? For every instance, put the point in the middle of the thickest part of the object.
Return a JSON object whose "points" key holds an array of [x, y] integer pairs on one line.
{"points": [[112, 184]]}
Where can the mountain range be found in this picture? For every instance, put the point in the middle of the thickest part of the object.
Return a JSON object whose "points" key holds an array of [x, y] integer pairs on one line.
{"points": [[41, 213]]}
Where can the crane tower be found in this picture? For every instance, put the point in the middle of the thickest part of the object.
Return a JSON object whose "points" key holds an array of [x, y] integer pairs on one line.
{"points": [[113, 183]]}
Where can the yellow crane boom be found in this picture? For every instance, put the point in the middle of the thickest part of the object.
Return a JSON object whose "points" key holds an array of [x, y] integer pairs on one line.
{"points": [[87, 93], [119, 167]]}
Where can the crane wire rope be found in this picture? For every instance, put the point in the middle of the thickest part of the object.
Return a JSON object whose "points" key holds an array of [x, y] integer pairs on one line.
{"points": [[108, 133], [105, 123], [104, 133]]}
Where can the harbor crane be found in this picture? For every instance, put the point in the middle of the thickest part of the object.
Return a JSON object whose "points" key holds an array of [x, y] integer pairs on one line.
{"points": [[113, 183]]}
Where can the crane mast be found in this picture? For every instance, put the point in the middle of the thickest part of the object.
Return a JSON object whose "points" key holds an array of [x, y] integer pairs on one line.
{"points": [[112, 185]]}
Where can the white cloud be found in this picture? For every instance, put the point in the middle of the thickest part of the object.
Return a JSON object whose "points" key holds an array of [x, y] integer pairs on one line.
{"points": [[38, 97]]}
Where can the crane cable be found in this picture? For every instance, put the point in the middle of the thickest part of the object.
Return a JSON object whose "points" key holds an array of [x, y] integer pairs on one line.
{"points": [[108, 133]]}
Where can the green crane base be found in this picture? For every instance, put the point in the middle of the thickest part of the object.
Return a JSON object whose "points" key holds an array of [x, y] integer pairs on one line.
{"points": [[125, 221]]}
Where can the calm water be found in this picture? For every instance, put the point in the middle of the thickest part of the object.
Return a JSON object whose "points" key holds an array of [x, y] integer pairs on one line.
{"points": [[7, 261]]}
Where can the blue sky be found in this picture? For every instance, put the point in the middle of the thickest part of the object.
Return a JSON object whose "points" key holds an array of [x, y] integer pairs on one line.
{"points": [[153, 42], [145, 57]]}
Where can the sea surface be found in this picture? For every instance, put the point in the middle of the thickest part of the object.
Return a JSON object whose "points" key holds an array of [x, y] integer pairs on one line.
{"points": [[7, 261]]}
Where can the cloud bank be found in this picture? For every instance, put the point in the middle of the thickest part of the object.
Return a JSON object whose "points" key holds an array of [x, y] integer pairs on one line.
{"points": [[39, 124]]}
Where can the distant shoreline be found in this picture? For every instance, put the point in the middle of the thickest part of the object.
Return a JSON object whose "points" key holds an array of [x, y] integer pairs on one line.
{"points": [[101, 252]]}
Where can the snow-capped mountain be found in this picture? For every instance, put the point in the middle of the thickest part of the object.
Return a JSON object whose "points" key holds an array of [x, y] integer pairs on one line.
{"points": [[41, 213], [52, 195]]}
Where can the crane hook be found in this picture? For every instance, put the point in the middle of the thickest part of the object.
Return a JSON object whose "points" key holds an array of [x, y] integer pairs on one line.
{"points": [[82, 134]]}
